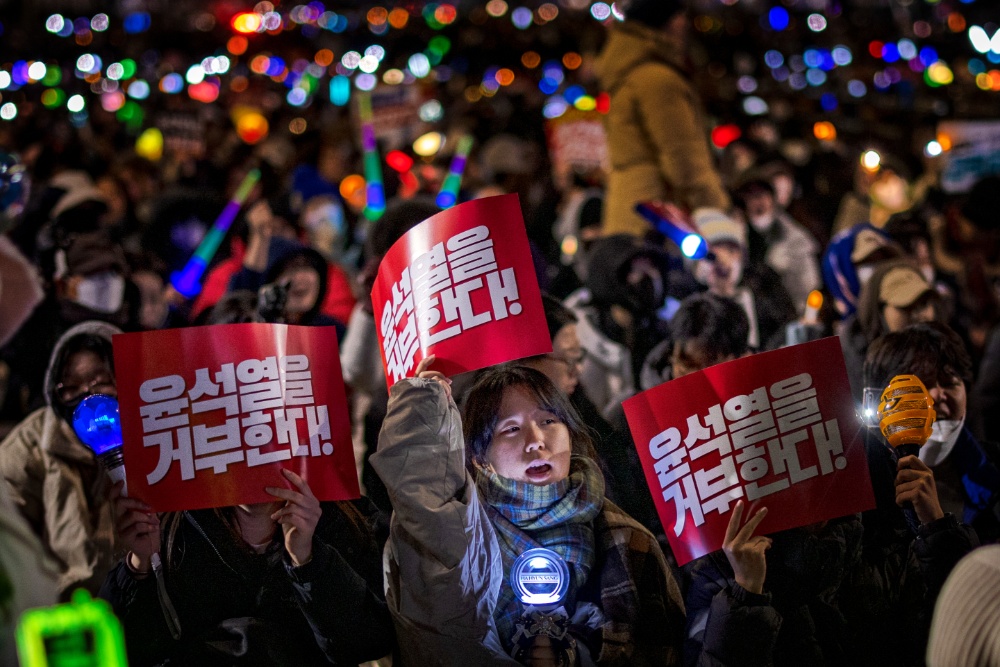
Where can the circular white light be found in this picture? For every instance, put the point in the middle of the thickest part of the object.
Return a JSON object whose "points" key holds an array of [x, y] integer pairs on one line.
{"points": [[431, 111], [368, 64], [933, 149], [689, 246], [8, 111], [816, 22], [4, 80], [75, 103], [55, 23], [419, 65], [375, 50], [351, 59], [99, 23], [871, 160], [36, 71], [116, 71], [195, 74], [85, 63]]}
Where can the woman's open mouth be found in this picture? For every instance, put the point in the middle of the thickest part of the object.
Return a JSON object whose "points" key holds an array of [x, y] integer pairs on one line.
{"points": [[538, 471]]}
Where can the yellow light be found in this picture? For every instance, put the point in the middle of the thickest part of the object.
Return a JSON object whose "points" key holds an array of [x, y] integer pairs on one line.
{"points": [[983, 81], [150, 144], [352, 189], [824, 131], [871, 160], [297, 126], [814, 300], [251, 126], [496, 8], [428, 144], [570, 245], [246, 22], [585, 103], [940, 74], [944, 140]]}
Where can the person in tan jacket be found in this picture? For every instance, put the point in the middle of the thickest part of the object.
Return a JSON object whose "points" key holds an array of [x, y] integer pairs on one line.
{"points": [[55, 481], [656, 129]]}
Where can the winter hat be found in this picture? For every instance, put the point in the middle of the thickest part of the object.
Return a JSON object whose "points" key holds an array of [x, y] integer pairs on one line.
{"points": [[717, 227], [79, 189], [654, 13], [902, 286], [966, 626]]}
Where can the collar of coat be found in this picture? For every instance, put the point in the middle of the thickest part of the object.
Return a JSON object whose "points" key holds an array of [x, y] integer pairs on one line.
{"points": [[58, 439], [632, 44]]}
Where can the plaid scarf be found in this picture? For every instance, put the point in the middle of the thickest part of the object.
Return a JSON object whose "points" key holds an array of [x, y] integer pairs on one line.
{"points": [[556, 516]]}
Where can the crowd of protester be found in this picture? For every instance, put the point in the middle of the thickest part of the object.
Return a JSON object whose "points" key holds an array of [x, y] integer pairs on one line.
{"points": [[540, 453]]}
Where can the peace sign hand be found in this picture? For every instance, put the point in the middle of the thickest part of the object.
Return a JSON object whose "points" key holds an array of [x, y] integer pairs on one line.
{"points": [[298, 518], [745, 550]]}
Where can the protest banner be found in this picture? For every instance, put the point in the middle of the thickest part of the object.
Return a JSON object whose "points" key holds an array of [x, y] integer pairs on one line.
{"points": [[972, 152], [778, 430], [461, 286], [210, 415]]}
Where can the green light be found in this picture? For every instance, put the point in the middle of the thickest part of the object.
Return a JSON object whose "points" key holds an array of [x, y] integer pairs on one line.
{"points": [[440, 45], [53, 98], [83, 633], [53, 76], [128, 67]]}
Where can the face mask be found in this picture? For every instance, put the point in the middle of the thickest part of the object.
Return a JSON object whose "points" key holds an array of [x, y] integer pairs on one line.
{"points": [[102, 292], [944, 435], [762, 222], [864, 273]]}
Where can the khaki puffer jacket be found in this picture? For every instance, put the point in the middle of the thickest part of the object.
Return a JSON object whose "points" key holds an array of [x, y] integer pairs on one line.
{"points": [[656, 130]]}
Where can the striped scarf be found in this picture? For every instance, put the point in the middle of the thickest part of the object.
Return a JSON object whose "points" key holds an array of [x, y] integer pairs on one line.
{"points": [[556, 516]]}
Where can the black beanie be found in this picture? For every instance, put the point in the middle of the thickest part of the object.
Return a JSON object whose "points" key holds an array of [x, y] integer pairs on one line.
{"points": [[654, 13]]}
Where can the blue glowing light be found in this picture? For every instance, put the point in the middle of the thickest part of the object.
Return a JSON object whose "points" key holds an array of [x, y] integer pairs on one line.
{"points": [[828, 101], [890, 53], [97, 423], [928, 56], [136, 22], [778, 18], [774, 59]]}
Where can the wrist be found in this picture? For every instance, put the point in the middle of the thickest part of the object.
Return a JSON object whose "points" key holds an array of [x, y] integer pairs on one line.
{"points": [[300, 560], [137, 565], [751, 585]]}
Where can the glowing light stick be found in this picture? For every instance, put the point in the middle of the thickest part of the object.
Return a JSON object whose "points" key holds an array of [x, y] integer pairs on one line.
{"points": [[374, 187], [83, 632], [813, 303], [448, 196], [98, 425], [540, 579], [187, 281], [672, 223]]}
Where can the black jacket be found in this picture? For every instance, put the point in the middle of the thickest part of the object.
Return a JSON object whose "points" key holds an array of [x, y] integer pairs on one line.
{"points": [[795, 622], [889, 597], [237, 607]]}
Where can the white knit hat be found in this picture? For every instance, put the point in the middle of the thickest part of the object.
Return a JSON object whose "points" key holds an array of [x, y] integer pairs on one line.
{"points": [[966, 627]]}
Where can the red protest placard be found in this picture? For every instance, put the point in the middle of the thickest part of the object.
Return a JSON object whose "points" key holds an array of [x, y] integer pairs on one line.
{"points": [[460, 285], [210, 415], [777, 429]]}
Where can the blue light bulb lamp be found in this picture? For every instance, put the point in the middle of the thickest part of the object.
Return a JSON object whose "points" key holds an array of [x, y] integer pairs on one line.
{"points": [[540, 579], [671, 222], [98, 425]]}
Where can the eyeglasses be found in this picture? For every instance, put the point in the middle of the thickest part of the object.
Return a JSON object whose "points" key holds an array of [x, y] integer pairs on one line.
{"points": [[573, 364], [74, 393]]}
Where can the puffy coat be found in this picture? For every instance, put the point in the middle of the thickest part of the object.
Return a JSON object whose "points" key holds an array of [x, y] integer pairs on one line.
{"points": [[238, 607], [657, 137], [443, 563], [59, 486]]}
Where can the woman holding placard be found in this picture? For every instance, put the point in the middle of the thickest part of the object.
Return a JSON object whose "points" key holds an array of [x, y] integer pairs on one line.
{"points": [[467, 506], [291, 582]]}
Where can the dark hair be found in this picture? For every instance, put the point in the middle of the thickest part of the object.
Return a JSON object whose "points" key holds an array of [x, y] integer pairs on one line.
{"points": [[928, 350], [237, 307], [556, 315], [400, 217], [654, 13], [482, 409], [718, 324], [906, 229], [870, 318]]}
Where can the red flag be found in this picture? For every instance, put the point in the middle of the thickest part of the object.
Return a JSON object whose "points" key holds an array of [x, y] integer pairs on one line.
{"points": [[777, 429], [210, 415], [460, 285]]}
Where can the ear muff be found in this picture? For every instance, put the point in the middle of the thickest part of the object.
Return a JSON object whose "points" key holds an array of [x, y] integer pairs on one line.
{"points": [[906, 411]]}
